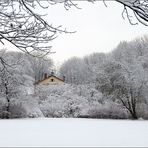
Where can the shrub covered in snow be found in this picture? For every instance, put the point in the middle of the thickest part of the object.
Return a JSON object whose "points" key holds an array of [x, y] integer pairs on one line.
{"points": [[77, 101], [61, 101], [109, 110]]}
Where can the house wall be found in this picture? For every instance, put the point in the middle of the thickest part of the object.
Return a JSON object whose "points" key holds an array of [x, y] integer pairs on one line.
{"points": [[51, 80]]}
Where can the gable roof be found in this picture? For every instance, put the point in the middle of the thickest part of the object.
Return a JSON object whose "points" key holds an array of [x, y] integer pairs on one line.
{"points": [[48, 78]]}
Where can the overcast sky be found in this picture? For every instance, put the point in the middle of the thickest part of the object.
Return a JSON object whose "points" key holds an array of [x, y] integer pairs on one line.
{"points": [[99, 29]]}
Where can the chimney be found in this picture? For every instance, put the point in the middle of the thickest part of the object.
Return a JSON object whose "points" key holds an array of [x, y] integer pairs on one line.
{"points": [[45, 75], [64, 78], [52, 73]]}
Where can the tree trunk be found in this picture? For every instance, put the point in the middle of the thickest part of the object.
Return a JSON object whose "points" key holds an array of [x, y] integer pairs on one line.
{"points": [[134, 114], [131, 107], [7, 116]]}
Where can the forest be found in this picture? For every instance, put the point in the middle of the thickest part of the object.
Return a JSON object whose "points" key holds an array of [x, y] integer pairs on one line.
{"points": [[100, 85]]}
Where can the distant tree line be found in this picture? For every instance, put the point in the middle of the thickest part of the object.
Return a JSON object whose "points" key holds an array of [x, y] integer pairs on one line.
{"points": [[121, 76], [112, 85]]}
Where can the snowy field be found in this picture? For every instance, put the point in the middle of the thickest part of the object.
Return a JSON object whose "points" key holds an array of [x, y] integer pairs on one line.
{"points": [[73, 132]]}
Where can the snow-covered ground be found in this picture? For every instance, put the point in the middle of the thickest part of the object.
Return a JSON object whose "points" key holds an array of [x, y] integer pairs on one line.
{"points": [[73, 132]]}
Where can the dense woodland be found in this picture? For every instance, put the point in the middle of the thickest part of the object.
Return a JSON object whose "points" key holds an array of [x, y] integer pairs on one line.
{"points": [[112, 85]]}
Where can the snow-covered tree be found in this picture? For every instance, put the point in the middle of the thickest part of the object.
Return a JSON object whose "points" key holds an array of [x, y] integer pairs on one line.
{"points": [[139, 8], [82, 70], [74, 70], [124, 78], [24, 27], [94, 63], [39, 66], [13, 82]]}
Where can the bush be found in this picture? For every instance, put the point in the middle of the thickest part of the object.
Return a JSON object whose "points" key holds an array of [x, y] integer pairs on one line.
{"points": [[108, 111], [24, 107], [142, 111], [17, 111], [51, 110]]}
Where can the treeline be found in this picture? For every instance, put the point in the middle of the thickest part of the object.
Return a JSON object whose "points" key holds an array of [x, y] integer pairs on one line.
{"points": [[113, 85], [121, 76]]}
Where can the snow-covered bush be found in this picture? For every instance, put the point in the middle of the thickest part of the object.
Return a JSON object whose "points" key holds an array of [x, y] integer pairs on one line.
{"points": [[30, 103], [23, 107], [3, 112], [62, 101], [142, 110], [17, 111], [77, 101], [109, 110]]}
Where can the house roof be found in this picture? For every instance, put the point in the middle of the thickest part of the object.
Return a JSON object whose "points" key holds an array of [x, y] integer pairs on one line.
{"points": [[48, 78]]}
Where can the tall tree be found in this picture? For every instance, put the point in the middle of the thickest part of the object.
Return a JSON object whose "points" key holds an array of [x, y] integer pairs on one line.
{"points": [[13, 81], [39, 66], [74, 70]]}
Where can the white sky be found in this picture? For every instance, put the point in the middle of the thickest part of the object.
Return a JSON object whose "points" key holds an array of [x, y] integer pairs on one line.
{"points": [[99, 29]]}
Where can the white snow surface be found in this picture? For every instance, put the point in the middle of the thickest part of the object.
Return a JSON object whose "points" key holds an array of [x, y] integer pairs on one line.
{"points": [[66, 132]]}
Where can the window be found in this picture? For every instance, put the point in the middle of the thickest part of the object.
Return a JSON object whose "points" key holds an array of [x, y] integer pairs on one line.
{"points": [[52, 80]]}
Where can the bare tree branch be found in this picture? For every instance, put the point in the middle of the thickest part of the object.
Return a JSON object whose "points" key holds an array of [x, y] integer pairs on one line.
{"points": [[139, 7], [26, 29]]}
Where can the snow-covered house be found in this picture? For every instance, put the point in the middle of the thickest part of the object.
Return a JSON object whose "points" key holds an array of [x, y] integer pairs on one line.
{"points": [[51, 80]]}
